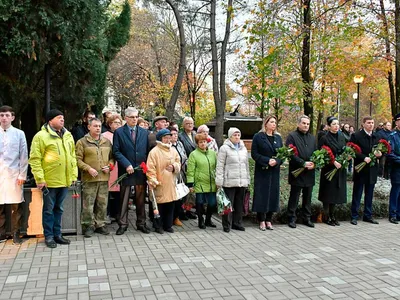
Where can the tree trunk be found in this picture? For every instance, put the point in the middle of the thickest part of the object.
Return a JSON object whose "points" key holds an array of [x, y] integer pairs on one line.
{"points": [[219, 128], [397, 30], [305, 62], [388, 58], [170, 109], [220, 103]]}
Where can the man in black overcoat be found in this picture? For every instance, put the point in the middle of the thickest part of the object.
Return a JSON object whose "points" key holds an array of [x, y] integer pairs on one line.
{"points": [[130, 148], [306, 145], [367, 177]]}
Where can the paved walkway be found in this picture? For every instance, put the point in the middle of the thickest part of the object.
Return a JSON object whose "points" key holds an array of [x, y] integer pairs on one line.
{"points": [[349, 262]]}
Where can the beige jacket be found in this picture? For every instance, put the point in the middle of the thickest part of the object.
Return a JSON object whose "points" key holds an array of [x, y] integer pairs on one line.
{"points": [[90, 154], [159, 158]]}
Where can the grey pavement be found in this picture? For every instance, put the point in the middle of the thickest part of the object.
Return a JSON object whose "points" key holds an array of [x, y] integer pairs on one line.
{"points": [[348, 262]]}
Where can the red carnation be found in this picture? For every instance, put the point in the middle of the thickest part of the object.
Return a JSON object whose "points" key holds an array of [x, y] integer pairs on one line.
{"points": [[208, 139], [355, 147], [111, 166], [295, 152], [331, 156], [387, 145], [143, 166]]}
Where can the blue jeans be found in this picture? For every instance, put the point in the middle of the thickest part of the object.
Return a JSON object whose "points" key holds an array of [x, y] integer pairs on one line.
{"points": [[209, 198], [394, 201], [357, 194], [52, 211]]}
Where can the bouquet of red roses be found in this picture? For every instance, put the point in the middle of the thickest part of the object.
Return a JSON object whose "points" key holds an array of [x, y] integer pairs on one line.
{"points": [[383, 146], [286, 152], [348, 153], [142, 167], [320, 158]]}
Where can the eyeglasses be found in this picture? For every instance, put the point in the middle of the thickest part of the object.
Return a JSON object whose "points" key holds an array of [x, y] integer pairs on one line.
{"points": [[117, 123], [132, 117]]}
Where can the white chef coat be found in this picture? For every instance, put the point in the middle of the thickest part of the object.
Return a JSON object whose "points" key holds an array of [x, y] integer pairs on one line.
{"points": [[13, 164]]}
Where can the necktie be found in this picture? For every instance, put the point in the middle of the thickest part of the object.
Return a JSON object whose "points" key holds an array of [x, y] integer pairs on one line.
{"points": [[133, 134]]}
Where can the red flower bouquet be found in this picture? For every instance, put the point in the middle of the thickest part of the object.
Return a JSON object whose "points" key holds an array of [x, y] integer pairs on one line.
{"points": [[348, 153], [320, 158], [286, 152], [383, 146]]}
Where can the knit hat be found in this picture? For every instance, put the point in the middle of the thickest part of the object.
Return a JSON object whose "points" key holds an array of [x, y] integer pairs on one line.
{"points": [[161, 133], [232, 130], [51, 114]]}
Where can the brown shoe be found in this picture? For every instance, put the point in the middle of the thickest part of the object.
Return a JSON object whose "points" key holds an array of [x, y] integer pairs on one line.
{"points": [[177, 222]]}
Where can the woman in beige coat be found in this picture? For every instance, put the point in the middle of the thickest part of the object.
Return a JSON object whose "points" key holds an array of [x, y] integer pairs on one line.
{"points": [[163, 165], [232, 174]]}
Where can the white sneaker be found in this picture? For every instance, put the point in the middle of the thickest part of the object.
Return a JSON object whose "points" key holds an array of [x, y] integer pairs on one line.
{"points": [[107, 220]]}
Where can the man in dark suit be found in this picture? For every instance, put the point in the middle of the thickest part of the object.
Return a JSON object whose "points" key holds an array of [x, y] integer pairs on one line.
{"points": [[130, 147], [367, 177], [304, 183]]}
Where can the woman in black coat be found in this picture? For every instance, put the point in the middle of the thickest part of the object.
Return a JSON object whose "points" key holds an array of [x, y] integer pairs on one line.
{"points": [[266, 174], [335, 191]]}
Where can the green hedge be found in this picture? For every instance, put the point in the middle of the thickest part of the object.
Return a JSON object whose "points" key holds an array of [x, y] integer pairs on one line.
{"points": [[380, 207]]}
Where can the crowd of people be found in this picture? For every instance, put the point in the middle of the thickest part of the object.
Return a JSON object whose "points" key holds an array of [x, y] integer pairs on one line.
{"points": [[121, 159]]}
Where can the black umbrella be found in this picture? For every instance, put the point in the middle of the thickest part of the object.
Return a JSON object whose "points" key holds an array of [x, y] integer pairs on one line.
{"points": [[157, 222]]}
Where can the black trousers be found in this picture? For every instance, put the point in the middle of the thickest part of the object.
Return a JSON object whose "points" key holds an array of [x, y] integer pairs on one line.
{"points": [[236, 196], [140, 192], [294, 201], [265, 217], [166, 213], [178, 210], [16, 217], [113, 204]]}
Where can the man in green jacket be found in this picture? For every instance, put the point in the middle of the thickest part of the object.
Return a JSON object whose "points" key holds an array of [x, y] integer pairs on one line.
{"points": [[53, 164], [94, 157]]}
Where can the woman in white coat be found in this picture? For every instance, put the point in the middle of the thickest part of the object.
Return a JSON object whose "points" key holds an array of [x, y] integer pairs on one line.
{"points": [[13, 169], [233, 176]]}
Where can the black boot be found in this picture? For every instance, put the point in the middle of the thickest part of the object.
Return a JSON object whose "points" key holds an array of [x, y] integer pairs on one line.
{"points": [[199, 210], [209, 213]]}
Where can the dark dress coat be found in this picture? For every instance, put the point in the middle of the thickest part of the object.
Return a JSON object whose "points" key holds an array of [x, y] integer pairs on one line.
{"points": [[187, 143], [127, 153], [306, 145], [334, 191], [266, 178], [368, 174]]}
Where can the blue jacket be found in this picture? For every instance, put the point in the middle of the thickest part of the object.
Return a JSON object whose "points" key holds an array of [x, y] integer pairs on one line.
{"points": [[383, 134], [128, 153], [394, 156]]}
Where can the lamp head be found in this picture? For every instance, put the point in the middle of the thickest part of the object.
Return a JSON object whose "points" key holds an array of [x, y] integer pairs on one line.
{"points": [[358, 79]]}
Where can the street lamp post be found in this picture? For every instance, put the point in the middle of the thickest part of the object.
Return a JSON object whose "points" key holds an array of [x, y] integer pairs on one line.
{"points": [[358, 79], [151, 111], [355, 96]]}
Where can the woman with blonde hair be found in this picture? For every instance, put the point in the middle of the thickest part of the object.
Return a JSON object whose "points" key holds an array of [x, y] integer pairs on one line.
{"points": [[266, 174]]}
